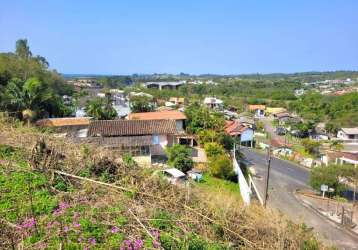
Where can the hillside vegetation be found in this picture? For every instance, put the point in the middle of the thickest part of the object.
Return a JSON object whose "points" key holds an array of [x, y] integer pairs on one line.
{"points": [[60, 195]]}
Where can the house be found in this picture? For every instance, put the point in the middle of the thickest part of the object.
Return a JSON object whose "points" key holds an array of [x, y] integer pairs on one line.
{"points": [[247, 121], [258, 110], [282, 117], [174, 176], [140, 138], [213, 103], [164, 85], [272, 111], [245, 135], [229, 115], [68, 126], [340, 158], [319, 132], [348, 134], [177, 116], [299, 92], [179, 101]]}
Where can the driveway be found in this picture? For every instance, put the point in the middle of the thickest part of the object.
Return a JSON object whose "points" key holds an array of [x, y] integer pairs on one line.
{"points": [[285, 178]]}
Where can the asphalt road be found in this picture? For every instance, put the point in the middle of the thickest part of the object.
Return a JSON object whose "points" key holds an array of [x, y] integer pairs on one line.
{"points": [[285, 178]]}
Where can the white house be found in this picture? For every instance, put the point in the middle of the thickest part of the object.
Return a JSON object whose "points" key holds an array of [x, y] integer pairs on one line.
{"points": [[213, 103], [348, 134]]}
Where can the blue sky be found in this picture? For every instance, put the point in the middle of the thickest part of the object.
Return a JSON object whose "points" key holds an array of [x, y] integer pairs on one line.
{"points": [[192, 36]]}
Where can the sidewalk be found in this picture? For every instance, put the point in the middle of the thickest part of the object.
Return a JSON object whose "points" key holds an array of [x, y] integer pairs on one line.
{"points": [[332, 210]]}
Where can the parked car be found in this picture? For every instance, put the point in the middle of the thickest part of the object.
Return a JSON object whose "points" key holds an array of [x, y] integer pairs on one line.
{"points": [[299, 134], [281, 131]]}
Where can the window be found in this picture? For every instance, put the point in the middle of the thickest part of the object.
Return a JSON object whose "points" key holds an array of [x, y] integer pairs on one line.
{"points": [[155, 139]]}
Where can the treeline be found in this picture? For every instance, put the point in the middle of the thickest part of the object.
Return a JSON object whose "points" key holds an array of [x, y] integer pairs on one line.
{"points": [[28, 88], [337, 111]]}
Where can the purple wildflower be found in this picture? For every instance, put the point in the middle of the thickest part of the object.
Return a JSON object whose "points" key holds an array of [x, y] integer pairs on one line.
{"points": [[114, 229], [76, 225], [138, 244], [155, 244], [28, 223], [63, 205], [92, 241], [66, 229]]}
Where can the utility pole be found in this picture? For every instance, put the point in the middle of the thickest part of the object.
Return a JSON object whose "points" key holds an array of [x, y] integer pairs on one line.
{"points": [[268, 174]]}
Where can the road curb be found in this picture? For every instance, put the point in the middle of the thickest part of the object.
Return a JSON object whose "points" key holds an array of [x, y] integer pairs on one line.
{"points": [[305, 204]]}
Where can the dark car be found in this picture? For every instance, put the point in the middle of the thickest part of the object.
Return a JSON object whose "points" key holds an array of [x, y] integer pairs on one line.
{"points": [[299, 134], [280, 131]]}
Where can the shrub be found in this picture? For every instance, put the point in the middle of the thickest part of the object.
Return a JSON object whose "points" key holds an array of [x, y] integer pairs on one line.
{"points": [[179, 156], [227, 141], [212, 149], [327, 175], [221, 167]]}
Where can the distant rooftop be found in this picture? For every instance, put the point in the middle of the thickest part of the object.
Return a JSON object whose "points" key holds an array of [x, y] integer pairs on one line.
{"points": [[159, 115]]}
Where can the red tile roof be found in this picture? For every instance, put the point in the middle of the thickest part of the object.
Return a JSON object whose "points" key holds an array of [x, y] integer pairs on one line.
{"points": [[333, 155], [159, 115], [131, 127], [234, 128], [257, 106]]}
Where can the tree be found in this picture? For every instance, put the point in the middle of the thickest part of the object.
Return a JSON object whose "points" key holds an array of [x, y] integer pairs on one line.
{"points": [[101, 109], [227, 141], [28, 89], [213, 149], [221, 167], [311, 146], [200, 118], [179, 156], [23, 49], [141, 104], [328, 175], [336, 145], [29, 97]]}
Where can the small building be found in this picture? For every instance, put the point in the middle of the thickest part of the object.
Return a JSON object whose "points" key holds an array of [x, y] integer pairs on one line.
{"points": [[177, 116], [282, 117], [299, 92], [243, 134], [174, 176], [319, 132], [164, 85], [179, 101], [340, 158], [258, 110], [213, 103], [348, 134]]}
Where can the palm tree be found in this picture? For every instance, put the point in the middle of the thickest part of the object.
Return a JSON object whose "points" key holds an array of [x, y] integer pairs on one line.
{"points": [[101, 109], [27, 98]]}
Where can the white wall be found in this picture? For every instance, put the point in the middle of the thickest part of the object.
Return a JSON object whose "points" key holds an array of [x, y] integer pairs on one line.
{"points": [[244, 187]]}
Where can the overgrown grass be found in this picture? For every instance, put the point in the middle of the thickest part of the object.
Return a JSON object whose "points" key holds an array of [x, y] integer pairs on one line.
{"points": [[224, 187]]}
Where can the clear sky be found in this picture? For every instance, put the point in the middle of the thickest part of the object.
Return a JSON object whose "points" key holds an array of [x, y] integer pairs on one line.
{"points": [[191, 36]]}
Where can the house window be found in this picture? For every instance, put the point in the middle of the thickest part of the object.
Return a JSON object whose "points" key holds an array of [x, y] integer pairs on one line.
{"points": [[155, 139]]}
